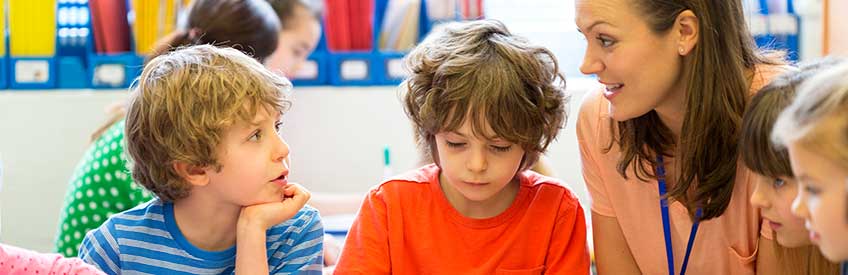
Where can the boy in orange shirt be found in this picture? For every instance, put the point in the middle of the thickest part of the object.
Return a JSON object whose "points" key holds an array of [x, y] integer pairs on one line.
{"points": [[485, 104]]}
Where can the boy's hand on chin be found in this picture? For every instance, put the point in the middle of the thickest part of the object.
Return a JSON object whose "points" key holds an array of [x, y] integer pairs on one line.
{"points": [[266, 215]]}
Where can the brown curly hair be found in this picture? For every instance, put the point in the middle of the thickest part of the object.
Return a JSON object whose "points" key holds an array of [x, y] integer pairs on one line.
{"points": [[479, 68]]}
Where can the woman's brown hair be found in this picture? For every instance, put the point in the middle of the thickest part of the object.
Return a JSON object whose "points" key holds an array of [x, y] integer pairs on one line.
{"points": [[716, 95]]}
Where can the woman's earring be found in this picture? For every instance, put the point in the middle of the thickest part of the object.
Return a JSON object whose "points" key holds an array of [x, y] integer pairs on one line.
{"points": [[680, 50]]}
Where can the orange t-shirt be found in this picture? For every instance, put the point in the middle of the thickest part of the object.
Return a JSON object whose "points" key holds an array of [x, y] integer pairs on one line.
{"points": [[407, 226], [723, 245]]}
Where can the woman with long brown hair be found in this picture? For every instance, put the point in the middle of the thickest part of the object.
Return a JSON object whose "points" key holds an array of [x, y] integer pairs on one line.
{"points": [[659, 141]]}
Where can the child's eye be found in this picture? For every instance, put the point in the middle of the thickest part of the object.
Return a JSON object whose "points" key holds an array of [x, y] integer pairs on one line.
{"points": [[299, 53], [454, 144], [255, 136], [778, 182], [813, 191], [501, 148]]}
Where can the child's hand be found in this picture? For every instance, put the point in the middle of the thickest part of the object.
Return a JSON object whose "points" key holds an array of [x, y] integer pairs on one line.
{"points": [[266, 215]]}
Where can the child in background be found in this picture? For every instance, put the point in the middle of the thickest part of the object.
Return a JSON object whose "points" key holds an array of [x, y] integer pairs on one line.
{"points": [[300, 21], [814, 130], [202, 134], [776, 188], [485, 104], [19, 261]]}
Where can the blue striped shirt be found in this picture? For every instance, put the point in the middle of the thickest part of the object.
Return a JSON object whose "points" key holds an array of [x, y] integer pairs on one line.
{"points": [[146, 240]]}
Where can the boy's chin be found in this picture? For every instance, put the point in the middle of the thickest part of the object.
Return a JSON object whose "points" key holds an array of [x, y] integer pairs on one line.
{"points": [[266, 200]]}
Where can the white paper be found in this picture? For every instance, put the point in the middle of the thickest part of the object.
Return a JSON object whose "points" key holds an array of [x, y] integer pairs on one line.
{"points": [[394, 68], [109, 74], [32, 71], [354, 69], [309, 70]]}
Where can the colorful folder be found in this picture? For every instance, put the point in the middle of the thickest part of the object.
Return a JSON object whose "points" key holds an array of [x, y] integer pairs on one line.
{"points": [[110, 27], [2, 27], [32, 28], [349, 24], [400, 25], [154, 19]]}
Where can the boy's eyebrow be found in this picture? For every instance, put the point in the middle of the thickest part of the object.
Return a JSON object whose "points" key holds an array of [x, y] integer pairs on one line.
{"points": [[455, 132], [257, 122], [493, 138]]}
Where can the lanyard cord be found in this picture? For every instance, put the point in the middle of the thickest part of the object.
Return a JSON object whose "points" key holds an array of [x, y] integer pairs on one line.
{"points": [[669, 251]]}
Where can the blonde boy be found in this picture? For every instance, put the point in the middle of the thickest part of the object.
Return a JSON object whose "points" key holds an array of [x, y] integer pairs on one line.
{"points": [[202, 134]]}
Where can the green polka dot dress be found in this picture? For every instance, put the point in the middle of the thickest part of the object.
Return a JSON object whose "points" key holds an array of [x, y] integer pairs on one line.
{"points": [[100, 186]]}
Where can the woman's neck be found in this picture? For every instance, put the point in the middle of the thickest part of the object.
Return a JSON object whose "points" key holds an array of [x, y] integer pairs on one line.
{"points": [[672, 112], [672, 109]]}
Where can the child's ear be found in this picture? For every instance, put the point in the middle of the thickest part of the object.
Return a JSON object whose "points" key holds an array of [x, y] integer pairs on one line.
{"points": [[193, 174]]}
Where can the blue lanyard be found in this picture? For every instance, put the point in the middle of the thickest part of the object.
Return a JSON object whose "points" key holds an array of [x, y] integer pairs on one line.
{"points": [[669, 253]]}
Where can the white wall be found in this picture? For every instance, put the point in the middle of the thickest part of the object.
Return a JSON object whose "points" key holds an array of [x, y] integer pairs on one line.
{"points": [[42, 135], [337, 136], [838, 27]]}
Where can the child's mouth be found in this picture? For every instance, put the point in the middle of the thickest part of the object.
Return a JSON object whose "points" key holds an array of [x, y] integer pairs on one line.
{"points": [[282, 180]]}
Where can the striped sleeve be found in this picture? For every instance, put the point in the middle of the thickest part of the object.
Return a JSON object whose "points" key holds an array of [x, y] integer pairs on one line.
{"points": [[100, 249], [296, 246]]}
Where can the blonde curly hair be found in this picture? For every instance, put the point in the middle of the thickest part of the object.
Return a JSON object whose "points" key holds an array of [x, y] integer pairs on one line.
{"points": [[184, 101]]}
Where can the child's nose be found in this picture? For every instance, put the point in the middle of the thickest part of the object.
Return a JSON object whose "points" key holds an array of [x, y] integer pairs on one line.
{"points": [[758, 198], [799, 204], [477, 162], [281, 149]]}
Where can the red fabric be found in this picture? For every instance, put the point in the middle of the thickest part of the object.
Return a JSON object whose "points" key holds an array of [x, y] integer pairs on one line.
{"points": [[407, 226]]}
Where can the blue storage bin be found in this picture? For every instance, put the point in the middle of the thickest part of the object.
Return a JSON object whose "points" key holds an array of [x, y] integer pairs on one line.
{"points": [[4, 72], [113, 71], [374, 67], [782, 29], [314, 71], [352, 68], [72, 73], [73, 31], [389, 70], [32, 72]]}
